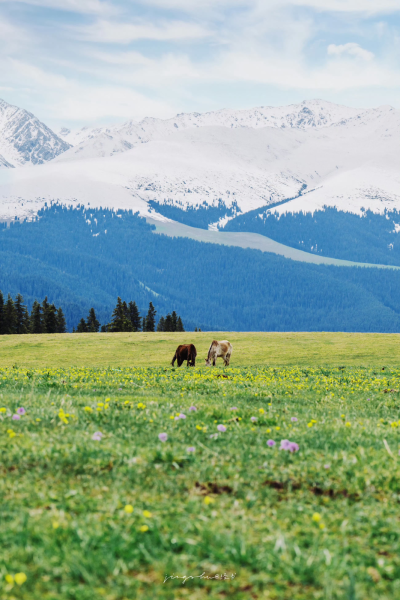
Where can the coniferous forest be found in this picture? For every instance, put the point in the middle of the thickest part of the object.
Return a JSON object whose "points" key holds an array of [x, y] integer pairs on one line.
{"points": [[92, 256], [46, 318]]}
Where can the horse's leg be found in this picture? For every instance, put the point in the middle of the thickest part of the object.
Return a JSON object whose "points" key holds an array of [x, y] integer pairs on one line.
{"points": [[227, 359], [174, 359]]}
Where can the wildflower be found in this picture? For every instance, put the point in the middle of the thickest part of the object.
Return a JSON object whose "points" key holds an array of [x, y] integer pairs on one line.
{"points": [[233, 408], [261, 411], [221, 428], [294, 419], [253, 419], [271, 443], [128, 509], [316, 517], [144, 528], [190, 449], [11, 433], [147, 514], [208, 500], [55, 524], [199, 427], [328, 466], [348, 424], [2, 410], [97, 436], [285, 445], [88, 409], [213, 436], [162, 437], [293, 447], [9, 578], [182, 416], [16, 417], [21, 410], [192, 408]]}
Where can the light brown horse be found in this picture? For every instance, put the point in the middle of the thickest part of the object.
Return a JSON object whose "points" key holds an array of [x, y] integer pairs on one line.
{"points": [[221, 349]]}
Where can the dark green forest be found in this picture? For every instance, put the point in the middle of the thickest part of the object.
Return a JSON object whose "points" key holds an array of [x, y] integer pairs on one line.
{"points": [[370, 238], [82, 258]]}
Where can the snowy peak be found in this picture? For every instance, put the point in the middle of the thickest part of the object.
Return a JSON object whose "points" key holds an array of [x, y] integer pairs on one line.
{"points": [[26, 140], [103, 141]]}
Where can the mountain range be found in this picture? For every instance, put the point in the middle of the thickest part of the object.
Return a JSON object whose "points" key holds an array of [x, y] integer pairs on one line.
{"points": [[316, 177]]}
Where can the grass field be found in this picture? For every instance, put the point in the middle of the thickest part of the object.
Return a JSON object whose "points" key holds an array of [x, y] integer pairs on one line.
{"points": [[157, 349], [95, 505]]}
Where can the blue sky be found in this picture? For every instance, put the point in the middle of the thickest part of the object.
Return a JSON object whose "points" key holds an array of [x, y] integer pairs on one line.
{"points": [[78, 62]]}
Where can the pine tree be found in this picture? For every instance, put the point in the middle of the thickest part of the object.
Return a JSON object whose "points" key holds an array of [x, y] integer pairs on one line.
{"points": [[45, 308], [134, 316], [36, 320], [93, 324], [195, 329], [2, 316], [151, 318], [179, 325], [127, 320], [168, 323], [174, 318], [51, 321], [61, 323], [22, 325], [119, 320], [82, 327], [104, 328], [10, 315], [144, 324], [161, 324]]}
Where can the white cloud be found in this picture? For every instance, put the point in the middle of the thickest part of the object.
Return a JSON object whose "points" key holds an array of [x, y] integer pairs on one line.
{"points": [[362, 6], [98, 7], [124, 33], [351, 49]]}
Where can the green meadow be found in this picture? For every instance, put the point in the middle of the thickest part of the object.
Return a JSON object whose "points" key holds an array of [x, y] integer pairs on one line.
{"points": [[157, 349], [277, 478]]}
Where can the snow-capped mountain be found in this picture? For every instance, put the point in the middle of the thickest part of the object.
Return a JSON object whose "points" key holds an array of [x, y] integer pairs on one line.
{"points": [[333, 155], [25, 140], [106, 141]]}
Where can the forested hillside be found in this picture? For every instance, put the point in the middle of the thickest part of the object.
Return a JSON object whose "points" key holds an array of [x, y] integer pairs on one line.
{"points": [[372, 238], [84, 258]]}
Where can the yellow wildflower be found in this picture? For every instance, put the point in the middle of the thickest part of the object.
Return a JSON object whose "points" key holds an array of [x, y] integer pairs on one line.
{"points": [[128, 509]]}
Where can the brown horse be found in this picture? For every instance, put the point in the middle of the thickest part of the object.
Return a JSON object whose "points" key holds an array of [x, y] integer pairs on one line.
{"points": [[185, 352]]}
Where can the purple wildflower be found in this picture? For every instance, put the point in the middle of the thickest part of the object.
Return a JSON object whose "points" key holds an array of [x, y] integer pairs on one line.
{"points": [[21, 411], [294, 419], [176, 419], [190, 449], [162, 437], [182, 416], [221, 428], [327, 466], [368, 399], [285, 445], [213, 436], [16, 417], [233, 408], [293, 447], [253, 419], [271, 443], [97, 436], [192, 408]]}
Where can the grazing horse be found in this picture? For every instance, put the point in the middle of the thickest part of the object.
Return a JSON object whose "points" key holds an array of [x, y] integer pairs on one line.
{"points": [[219, 349], [185, 352]]}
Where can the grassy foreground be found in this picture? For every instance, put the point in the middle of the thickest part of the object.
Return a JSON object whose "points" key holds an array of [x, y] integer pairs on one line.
{"points": [[157, 349], [95, 505]]}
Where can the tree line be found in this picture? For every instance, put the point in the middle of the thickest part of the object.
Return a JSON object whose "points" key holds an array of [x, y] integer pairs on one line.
{"points": [[126, 317], [43, 318]]}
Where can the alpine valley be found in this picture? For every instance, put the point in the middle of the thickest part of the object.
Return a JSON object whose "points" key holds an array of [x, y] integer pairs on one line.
{"points": [[293, 214]]}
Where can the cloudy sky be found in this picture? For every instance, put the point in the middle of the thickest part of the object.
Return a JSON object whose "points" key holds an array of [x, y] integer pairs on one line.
{"points": [[77, 62]]}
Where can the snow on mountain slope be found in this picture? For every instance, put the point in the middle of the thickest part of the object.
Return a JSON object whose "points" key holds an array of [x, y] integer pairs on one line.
{"points": [[24, 139], [100, 142], [345, 157]]}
